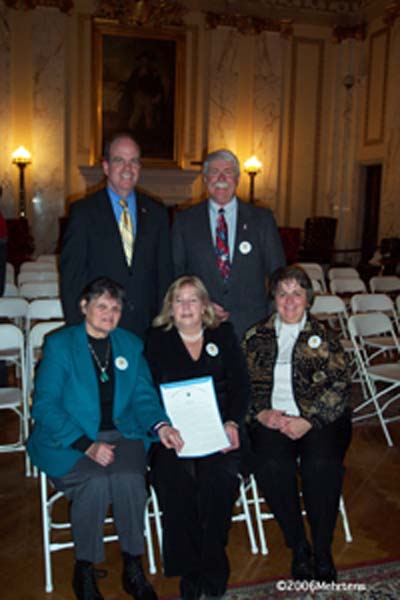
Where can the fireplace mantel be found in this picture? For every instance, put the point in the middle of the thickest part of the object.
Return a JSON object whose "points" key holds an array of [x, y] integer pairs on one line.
{"points": [[172, 186]]}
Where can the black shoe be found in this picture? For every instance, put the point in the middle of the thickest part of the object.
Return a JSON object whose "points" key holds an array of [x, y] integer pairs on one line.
{"points": [[84, 583], [134, 581], [324, 568], [301, 562]]}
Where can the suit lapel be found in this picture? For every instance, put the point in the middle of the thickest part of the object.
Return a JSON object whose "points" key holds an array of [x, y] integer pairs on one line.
{"points": [[84, 366], [243, 229], [109, 227]]}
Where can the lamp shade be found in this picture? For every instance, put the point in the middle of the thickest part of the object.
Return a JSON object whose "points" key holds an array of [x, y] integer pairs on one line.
{"points": [[21, 156], [252, 165]]}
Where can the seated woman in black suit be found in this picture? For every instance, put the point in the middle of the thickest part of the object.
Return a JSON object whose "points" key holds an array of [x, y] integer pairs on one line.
{"points": [[299, 412], [197, 494]]}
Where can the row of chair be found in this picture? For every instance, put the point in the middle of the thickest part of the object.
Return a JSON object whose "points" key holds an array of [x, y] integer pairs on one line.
{"points": [[369, 338], [249, 507]]}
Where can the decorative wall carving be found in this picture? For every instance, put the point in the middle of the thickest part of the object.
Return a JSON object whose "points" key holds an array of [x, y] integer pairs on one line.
{"points": [[64, 5], [248, 25], [392, 12], [351, 32], [156, 13]]}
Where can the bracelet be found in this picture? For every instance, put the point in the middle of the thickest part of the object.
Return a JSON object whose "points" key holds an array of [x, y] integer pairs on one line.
{"points": [[159, 425], [232, 424]]}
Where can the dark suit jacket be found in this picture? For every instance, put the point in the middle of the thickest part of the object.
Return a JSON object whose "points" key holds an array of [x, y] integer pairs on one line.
{"points": [[66, 403], [244, 295], [92, 248]]}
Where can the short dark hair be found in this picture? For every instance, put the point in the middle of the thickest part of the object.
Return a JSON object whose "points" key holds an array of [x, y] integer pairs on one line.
{"points": [[293, 272], [117, 136], [100, 286]]}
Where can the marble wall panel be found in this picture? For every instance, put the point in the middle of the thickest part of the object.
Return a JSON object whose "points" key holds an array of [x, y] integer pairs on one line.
{"points": [[389, 225], [267, 98], [48, 125], [377, 84], [223, 89], [7, 200]]}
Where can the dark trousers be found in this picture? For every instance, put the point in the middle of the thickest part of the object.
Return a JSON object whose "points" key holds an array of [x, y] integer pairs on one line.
{"points": [[318, 457], [196, 497], [92, 488]]}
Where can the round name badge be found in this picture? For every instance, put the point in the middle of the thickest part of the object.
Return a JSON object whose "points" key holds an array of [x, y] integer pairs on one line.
{"points": [[314, 342], [212, 349], [245, 247], [121, 363]]}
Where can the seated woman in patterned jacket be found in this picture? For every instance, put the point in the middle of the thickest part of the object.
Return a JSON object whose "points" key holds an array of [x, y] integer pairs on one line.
{"points": [[299, 420]]}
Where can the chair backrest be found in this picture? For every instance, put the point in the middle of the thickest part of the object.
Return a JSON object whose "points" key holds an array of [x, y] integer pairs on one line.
{"points": [[11, 336], [325, 307], [10, 273], [45, 289], [28, 267], [44, 309], [343, 273], [347, 286], [384, 283], [37, 276], [315, 273], [316, 286], [370, 324], [13, 308], [10, 290], [47, 258]]}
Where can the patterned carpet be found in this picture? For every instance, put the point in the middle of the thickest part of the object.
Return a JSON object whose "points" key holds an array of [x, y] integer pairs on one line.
{"points": [[378, 582]]}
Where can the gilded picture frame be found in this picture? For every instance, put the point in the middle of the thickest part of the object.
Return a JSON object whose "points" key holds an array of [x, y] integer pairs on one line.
{"points": [[138, 86]]}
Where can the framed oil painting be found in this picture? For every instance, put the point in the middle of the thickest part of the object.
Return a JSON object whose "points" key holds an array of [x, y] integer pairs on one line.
{"points": [[138, 87]]}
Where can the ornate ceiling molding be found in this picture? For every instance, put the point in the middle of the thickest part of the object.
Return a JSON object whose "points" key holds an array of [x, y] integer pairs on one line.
{"points": [[352, 32], [156, 13], [248, 25], [392, 12], [64, 5]]}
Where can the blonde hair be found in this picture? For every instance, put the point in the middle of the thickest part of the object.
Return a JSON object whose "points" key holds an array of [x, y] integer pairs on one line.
{"points": [[165, 318]]}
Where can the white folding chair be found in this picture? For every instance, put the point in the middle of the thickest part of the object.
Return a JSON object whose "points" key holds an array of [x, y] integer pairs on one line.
{"points": [[13, 398], [263, 515], [10, 290], [49, 497], [43, 309], [48, 258], [316, 273], [242, 512], [347, 287], [343, 273], [10, 273], [43, 289], [376, 335], [384, 283], [398, 305], [36, 276], [365, 303], [15, 310], [382, 379], [34, 266]]}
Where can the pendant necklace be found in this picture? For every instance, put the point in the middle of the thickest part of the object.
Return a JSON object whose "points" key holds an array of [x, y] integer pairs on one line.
{"points": [[103, 369], [191, 338]]}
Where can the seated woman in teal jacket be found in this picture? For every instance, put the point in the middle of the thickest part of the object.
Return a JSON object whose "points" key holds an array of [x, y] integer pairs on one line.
{"points": [[95, 410]]}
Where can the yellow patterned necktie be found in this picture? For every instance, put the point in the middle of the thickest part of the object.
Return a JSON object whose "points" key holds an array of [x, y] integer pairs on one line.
{"points": [[126, 230]]}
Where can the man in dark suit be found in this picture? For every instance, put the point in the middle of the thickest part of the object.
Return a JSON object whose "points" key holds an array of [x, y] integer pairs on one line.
{"points": [[231, 245], [95, 246]]}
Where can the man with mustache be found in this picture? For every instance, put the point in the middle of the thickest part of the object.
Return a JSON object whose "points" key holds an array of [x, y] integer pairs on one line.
{"points": [[231, 245]]}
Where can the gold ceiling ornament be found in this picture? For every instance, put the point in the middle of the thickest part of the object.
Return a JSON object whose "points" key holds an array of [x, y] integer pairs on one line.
{"points": [[248, 25], [349, 32], [65, 6], [392, 12], [142, 12]]}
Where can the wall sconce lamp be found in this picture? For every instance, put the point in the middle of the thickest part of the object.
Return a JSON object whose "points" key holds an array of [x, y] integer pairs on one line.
{"points": [[252, 166], [21, 157]]}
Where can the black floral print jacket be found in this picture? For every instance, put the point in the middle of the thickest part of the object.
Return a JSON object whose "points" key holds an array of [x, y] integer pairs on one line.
{"points": [[321, 377]]}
